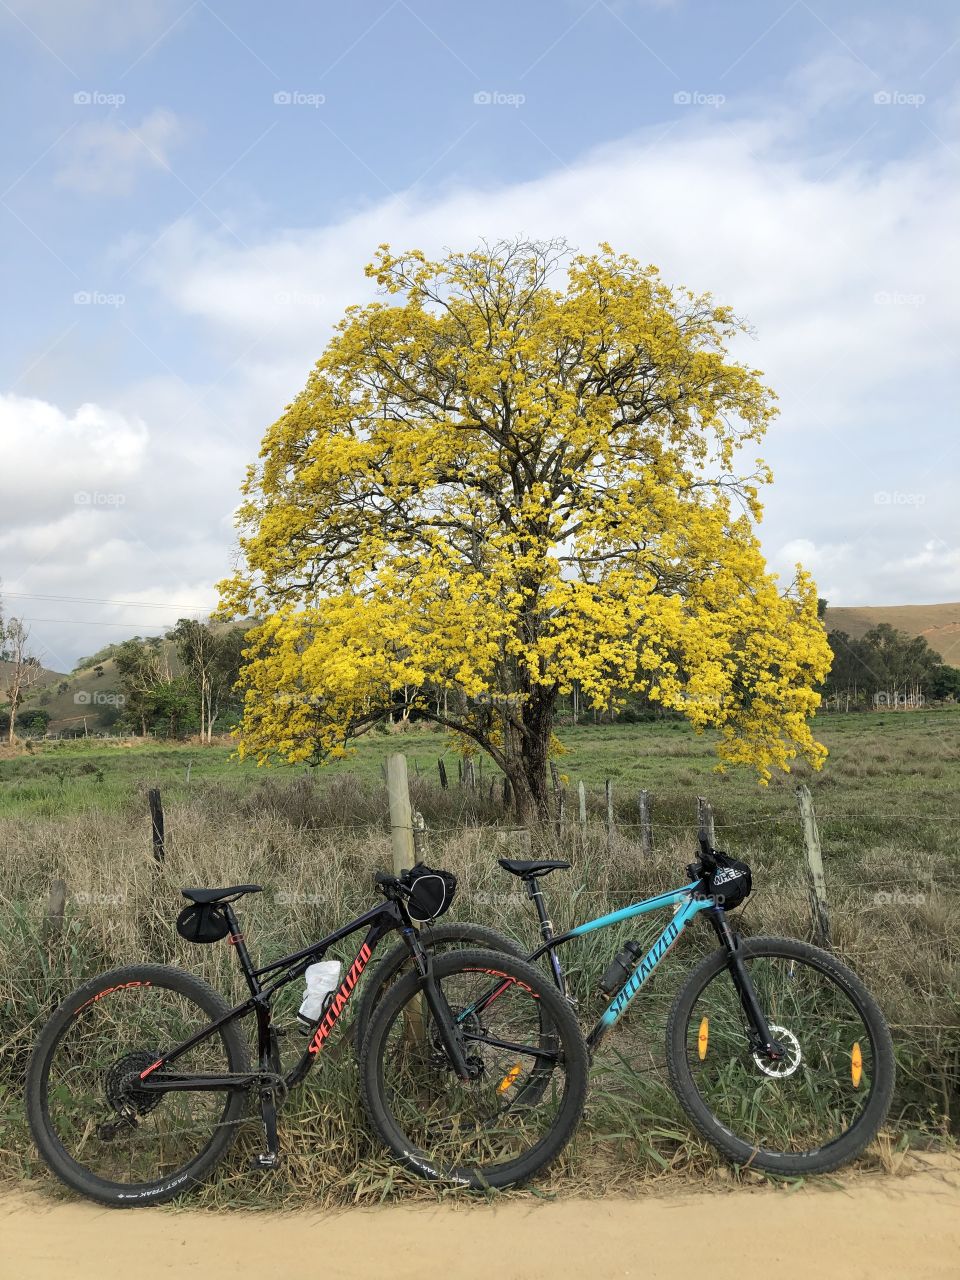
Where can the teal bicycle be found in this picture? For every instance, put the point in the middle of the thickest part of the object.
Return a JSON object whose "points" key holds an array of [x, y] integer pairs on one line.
{"points": [[776, 1051]]}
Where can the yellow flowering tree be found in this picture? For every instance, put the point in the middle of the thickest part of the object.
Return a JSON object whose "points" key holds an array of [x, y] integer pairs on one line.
{"points": [[514, 471]]}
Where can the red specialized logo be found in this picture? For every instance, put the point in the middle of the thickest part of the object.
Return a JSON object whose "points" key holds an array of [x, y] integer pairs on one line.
{"points": [[339, 1001]]}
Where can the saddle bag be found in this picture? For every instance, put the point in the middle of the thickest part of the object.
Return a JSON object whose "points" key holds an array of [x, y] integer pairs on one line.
{"points": [[202, 922]]}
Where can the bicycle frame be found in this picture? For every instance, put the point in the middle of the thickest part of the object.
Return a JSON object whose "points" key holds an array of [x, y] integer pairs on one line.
{"points": [[687, 902], [378, 921]]}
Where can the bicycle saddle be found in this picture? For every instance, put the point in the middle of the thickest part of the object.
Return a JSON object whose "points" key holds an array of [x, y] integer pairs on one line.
{"points": [[527, 870], [219, 895]]}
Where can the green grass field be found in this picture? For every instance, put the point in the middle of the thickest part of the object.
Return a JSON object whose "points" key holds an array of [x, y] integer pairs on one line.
{"points": [[888, 814], [889, 762]]}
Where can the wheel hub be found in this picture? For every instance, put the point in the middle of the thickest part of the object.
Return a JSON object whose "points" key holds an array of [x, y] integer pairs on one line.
{"points": [[122, 1080], [470, 1024], [780, 1068]]}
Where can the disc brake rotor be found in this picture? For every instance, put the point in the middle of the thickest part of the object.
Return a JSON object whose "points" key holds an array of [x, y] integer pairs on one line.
{"points": [[786, 1065]]}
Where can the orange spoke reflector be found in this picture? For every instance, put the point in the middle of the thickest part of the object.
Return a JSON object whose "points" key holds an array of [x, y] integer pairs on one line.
{"points": [[856, 1064], [703, 1038], [509, 1079]]}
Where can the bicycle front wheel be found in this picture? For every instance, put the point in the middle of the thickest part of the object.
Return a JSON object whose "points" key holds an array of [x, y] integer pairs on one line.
{"points": [[812, 1110], [449, 936], [494, 1129], [102, 1135]]}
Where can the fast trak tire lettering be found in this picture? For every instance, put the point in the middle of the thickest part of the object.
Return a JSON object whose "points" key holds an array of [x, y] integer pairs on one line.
{"points": [[339, 1001]]}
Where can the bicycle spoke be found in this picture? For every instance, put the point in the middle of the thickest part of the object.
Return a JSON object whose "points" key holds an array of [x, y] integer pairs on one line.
{"points": [[810, 1097]]}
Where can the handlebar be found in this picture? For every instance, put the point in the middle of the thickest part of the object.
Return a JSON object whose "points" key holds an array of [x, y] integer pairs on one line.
{"points": [[390, 886], [706, 862]]}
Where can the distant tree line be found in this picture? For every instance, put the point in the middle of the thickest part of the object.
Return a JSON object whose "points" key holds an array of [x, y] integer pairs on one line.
{"points": [[191, 698], [172, 686], [887, 663]]}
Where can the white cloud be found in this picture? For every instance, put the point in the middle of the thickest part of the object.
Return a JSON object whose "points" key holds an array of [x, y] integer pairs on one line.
{"points": [[107, 157], [54, 462], [849, 273], [96, 26]]}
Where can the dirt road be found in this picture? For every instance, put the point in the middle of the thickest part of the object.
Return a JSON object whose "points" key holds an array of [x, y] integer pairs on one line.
{"points": [[872, 1227]]}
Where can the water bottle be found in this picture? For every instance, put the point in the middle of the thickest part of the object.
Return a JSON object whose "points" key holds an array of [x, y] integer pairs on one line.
{"points": [[322, 980]]}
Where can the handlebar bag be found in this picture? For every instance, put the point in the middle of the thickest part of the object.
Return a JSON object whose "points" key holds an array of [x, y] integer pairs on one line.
{"points": [[431, 892]]}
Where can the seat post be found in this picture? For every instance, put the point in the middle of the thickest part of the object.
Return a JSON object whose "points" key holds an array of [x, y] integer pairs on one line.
{"points": [[535, 893], [236, 940]]}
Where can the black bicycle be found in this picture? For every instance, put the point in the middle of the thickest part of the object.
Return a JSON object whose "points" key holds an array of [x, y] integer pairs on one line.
{"points": [[140, 1079], [777, 1053]]}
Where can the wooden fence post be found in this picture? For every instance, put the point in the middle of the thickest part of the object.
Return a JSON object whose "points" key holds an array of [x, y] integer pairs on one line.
{"points": [[705, 821], [401, 817], [557, 796], [646, 828], [506, 793], [56, 905], [609, 793], [156, 824], [816, 883], [582, 804], [403, 840], [419, 828], [442, 770]]}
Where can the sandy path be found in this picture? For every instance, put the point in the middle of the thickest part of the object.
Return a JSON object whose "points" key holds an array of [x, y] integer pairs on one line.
{"points": [[872, 1227]]}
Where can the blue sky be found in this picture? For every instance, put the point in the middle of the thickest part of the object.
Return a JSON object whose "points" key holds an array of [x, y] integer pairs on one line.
{"points": [[191, 190]]}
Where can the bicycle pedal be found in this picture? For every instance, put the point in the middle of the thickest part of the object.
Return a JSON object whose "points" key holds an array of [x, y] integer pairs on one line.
{"points": [[265, 1160]]}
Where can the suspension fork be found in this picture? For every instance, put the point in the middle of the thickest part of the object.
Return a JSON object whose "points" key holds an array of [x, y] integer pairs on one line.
{"points": [[535, 894], [450, 1035], [743, 983]]}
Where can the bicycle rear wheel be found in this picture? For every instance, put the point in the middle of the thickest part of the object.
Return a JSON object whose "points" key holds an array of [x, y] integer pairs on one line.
{"points": [[493, 1130], [94, 1128], [817, 1107]]}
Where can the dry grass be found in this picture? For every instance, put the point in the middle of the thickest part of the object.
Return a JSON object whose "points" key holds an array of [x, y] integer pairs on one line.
{"points": [[121, 909]]}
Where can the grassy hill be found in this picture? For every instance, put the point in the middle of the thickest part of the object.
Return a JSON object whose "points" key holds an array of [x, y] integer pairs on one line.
{"points": [[92, 688], [939, 624]]}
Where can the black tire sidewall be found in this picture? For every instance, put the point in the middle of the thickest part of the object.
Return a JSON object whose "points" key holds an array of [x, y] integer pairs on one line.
{"points": [[833, 1154], [51, 1149], [576, 1062]]}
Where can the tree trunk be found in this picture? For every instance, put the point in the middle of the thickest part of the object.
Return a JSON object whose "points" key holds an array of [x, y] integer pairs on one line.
{"points": [[528, 760]]}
